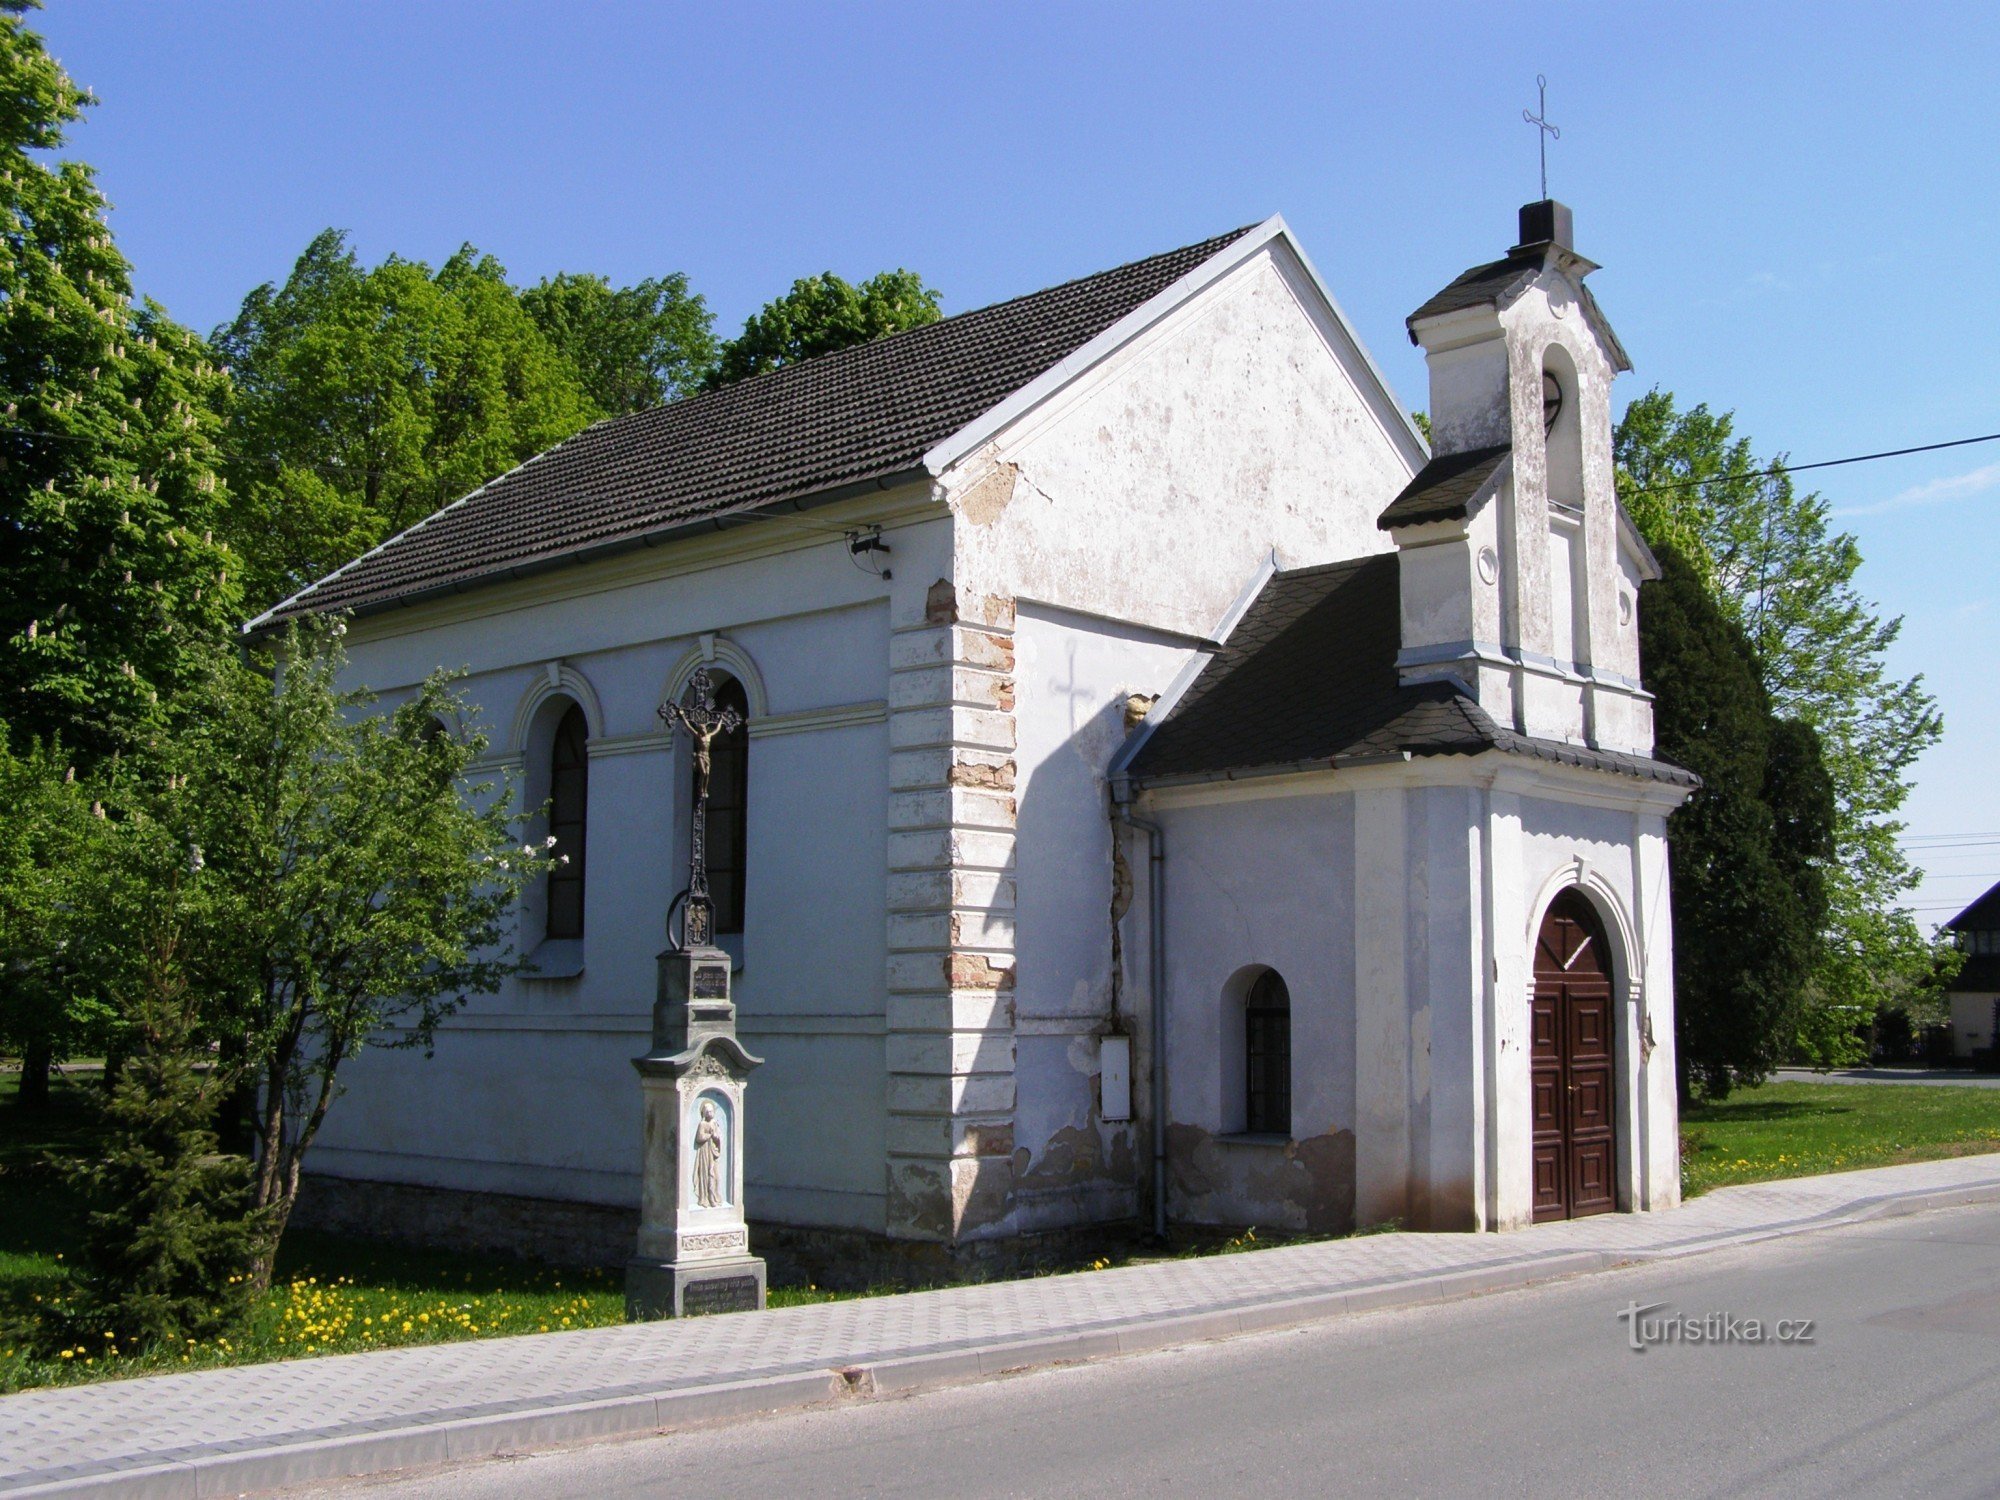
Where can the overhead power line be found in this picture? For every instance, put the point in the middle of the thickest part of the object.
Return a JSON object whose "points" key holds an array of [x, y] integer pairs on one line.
{"points": [[1825, 463]]}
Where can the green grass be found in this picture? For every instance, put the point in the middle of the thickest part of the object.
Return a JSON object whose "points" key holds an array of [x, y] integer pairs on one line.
{"points": [[330, 1295], [1802, 1129]]}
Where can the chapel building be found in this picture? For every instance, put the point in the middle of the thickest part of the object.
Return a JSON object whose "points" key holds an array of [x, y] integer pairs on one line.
{"points": [[1170, 789]]}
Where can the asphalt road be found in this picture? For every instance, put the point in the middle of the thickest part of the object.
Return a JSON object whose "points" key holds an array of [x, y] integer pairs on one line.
{"points": [[1927, 1077], [1897, 1393]]}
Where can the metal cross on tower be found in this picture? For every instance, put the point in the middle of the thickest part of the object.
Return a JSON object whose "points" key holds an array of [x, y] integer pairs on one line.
{"points": [[1539, 119], [701, 721]]}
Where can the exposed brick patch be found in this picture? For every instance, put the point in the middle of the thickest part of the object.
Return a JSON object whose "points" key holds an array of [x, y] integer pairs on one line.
{"points": [[941, 603], [985, 648], [974, 971], [988, 1140], [982, 502], [993, 777]]}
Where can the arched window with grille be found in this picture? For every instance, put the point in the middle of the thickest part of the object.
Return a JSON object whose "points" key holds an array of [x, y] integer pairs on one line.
{"points": [[569, 812], [729, 810], [1267, 1056]]}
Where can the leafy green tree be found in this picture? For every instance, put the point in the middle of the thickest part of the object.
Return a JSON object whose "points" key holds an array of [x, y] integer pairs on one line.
{"points": [[1749, 850], [109, 498], [634, 346], [366, 399], [1787, 579], [359, 889], [45, 1014], [823, 313]]}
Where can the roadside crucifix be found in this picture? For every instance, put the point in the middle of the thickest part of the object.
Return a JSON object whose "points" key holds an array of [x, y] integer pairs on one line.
{"points": [[701, 721], [693, 1254]]}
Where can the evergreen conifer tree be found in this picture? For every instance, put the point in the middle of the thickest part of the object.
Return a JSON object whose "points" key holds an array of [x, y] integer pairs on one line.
{"points": [[1749, 850]]}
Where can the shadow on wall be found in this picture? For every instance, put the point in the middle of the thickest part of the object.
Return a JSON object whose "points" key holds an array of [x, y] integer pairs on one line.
{"points": [[1303, 1186], [1068, 1163]]}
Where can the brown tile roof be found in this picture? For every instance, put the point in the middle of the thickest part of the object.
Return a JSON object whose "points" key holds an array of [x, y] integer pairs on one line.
{"points": [[854, 416], [1308, 677]]}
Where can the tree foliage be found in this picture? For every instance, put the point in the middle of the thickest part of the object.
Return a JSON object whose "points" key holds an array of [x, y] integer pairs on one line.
{"points": [[1786, 578], [170, 1238], [1749, 850], [632, 347], [45, 861], [360, 887], [109, 500], [366, 398], [823, 313]]}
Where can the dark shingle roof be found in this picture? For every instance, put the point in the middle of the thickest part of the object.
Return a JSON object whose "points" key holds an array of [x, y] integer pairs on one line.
{"points": [[849, 417], [1308, 677], [1481, 285], [1497, 280], [1444, 487], [1982, 915]]}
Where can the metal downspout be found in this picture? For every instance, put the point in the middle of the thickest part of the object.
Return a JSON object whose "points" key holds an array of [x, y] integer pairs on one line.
{"points": [[1156, 984]]}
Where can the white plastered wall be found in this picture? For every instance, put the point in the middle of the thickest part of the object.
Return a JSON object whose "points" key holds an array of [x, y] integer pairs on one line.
{"points": [[1073, 675], [1125, 516], [1401, 905], [1149, 490], [531, 1090]]}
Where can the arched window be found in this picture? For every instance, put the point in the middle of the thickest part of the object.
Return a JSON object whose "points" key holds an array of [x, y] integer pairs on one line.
{"points": [[1267, 1056], [569, 811], [728, 810]]}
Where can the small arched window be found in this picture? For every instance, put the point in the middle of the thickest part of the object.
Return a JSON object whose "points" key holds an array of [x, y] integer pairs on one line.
{"points": [[1267, 1056], [729, 810], [569, 811]]}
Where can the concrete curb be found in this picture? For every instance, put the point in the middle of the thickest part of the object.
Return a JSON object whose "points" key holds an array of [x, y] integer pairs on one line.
{"points": [[226, 1473]]}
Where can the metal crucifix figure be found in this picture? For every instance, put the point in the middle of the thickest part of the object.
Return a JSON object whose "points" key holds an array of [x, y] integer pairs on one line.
{"points": [[701, 721]]}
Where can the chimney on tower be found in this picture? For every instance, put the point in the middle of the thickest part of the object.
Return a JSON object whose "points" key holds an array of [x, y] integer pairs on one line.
{"points": [[1546, 223]]}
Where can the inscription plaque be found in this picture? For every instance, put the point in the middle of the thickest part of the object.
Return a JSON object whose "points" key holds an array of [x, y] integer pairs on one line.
{"points": [[719, 1294], [711, 982]]}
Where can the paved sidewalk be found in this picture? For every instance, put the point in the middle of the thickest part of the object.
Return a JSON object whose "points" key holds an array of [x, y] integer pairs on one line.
{"points": [[219, 1432]]}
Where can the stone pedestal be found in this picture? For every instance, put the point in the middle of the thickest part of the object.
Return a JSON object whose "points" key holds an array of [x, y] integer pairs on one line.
{"points": [[693, 1254]]}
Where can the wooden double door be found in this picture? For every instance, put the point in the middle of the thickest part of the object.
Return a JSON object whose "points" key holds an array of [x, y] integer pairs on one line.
{"points": [[1573, 1057]]}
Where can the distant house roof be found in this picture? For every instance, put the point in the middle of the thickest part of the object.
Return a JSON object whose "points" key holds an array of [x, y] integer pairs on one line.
{"points": [[1981, 971], [1308, 678], [1979, 976], [1442, 489], [853, 417], [1982, 916]]}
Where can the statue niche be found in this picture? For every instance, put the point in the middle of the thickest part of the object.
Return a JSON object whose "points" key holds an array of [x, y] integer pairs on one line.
{"points": [[711, 1156]]}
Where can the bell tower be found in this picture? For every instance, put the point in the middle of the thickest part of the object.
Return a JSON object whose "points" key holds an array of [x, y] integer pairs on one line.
{"points": [[1520, 572]]}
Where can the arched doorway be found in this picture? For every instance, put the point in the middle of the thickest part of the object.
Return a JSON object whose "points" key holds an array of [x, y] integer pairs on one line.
{"points": [[1573, 1062]]}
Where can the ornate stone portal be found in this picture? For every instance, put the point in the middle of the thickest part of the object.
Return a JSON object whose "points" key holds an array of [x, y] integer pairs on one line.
{"points": [[694, 1254]]}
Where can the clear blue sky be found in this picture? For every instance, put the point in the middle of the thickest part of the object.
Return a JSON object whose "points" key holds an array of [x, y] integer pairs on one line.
{"points": [[1794, 206]]}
